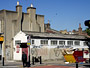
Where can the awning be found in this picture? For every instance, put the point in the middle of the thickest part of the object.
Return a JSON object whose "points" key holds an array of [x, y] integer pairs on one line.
{"points": [[23, 45]]}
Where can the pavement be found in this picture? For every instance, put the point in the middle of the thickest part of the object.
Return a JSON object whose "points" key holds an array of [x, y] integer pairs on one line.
{"points": [[45, 64]]}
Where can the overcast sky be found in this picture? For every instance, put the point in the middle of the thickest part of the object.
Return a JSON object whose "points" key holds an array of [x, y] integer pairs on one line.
{"points": [[63, 14]]}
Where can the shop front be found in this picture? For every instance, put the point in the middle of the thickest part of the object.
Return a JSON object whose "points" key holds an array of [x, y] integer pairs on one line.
{"points": [[1, 41]]}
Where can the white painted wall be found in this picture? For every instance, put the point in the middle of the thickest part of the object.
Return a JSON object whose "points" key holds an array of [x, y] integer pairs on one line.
{"points": [[20, 36], [38, 43]]}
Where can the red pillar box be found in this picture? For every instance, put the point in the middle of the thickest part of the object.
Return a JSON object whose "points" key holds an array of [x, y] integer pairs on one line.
{"points": [[79, 56]]}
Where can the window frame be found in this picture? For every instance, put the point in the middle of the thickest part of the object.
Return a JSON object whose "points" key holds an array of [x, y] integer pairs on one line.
{"points": [[62, 42], [54, 42], [68, 43], [44, 42], [75, 43], [19, 41], [84, 44]]}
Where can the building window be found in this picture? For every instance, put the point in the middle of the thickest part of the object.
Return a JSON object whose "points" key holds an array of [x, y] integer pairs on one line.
{"points": [[53, 42], [61, 42], [44, 42], [77, 42], [17, 42], [70, 43], [84, 43], [32, 41]]}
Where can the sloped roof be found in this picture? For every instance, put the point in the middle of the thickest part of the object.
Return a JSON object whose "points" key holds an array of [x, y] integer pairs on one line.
{"points": [[54, 35]]}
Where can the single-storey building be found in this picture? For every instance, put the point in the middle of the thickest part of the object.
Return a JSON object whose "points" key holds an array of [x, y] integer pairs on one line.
{"points": [[47, 45]]}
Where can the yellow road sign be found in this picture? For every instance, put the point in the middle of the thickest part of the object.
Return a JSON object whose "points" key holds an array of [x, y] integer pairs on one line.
{"points": [[1, 39], [28, 43]]}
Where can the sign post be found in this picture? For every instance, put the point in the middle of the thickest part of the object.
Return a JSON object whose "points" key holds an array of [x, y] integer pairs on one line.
{"points": [[28, 44]]}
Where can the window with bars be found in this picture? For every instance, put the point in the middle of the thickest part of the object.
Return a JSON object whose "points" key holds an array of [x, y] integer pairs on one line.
{"points": [[54, 42], [44, 42], [61, 42], [77, 42], [70, 43]]}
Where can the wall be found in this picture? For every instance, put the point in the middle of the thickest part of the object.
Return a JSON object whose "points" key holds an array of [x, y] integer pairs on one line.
{"points": [[19, 37], [11, 21], [40, 21], [47, 53]]}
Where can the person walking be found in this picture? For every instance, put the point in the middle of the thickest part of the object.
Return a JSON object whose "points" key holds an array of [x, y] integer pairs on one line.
{"points": [[24, 59]]}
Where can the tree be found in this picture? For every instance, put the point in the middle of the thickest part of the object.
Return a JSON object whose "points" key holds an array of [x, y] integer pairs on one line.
{"points": [[87, 31], [87, 23]]}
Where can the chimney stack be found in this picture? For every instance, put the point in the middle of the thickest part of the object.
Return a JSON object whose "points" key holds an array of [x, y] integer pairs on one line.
{"points": [[47, 25], [19, 8], [80, 29], [31, 9]]}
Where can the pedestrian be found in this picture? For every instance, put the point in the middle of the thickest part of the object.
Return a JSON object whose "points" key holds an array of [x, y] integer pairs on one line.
{"points": [[24, 59]]}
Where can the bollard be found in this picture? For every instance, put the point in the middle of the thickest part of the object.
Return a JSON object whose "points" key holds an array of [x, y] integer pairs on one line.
{"points": [[3, 61], [33, 60], [76, 64], [40, 60]]}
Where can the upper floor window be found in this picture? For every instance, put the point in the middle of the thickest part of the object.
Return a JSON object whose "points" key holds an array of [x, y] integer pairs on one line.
{"points": [[69, 42], [54, 42], [61, 42], [44, 42], [77, 42]]}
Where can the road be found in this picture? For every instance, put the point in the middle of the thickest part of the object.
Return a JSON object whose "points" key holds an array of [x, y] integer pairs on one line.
{"points": [[14, 64]]}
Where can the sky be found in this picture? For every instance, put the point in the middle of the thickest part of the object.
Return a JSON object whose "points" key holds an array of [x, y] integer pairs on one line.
{"points": [[62, 14]]}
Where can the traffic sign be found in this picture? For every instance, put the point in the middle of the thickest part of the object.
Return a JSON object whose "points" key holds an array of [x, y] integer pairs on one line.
{"points": [[28, 43]]}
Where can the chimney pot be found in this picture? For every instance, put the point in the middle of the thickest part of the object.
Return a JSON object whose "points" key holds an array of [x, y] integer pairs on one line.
{"points": [[17, 2], [31, 5]]}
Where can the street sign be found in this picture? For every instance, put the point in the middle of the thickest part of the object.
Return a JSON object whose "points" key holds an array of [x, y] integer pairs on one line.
{"points": [[28, 43], [1, 39], [28, 40]]}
